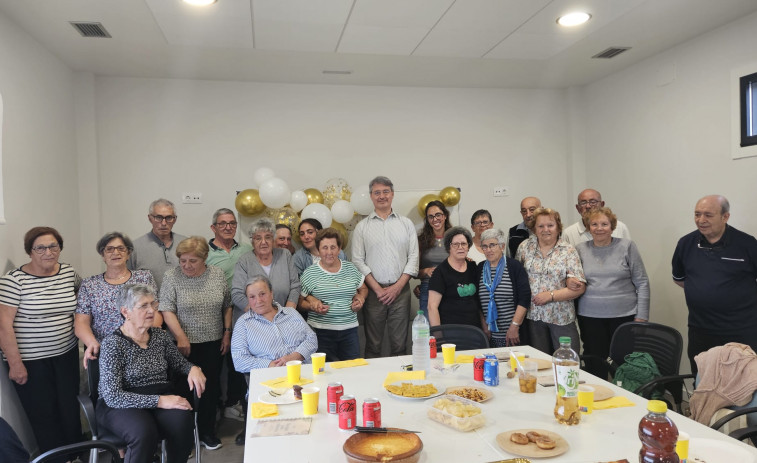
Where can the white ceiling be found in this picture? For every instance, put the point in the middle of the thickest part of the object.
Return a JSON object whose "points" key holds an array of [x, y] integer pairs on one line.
{"points": [[436, 43]]}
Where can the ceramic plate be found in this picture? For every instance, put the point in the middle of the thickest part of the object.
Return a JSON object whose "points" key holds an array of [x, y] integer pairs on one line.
{"points": [[286, 397], [485, 393], [439, 389]]}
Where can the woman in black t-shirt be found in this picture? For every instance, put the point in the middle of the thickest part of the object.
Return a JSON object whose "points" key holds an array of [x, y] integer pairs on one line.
{"points": [[453, 288]]}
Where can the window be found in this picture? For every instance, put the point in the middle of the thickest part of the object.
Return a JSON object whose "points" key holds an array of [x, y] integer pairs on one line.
{"points": [[748, 109]]}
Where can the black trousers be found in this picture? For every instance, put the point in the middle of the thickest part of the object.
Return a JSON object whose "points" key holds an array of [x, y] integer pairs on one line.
{"points": [[700, 341], [207, 356], [49, 400], [143, 428], [596, 334]]}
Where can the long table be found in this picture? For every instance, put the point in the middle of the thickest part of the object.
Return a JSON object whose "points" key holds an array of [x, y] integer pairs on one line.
{"points": [[604, 435]]}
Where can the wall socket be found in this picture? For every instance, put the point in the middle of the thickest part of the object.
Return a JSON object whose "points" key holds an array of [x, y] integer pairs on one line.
{"points": [[502, 191], [191, 198]]}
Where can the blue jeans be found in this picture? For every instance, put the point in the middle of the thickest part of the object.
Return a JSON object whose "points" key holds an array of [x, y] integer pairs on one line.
{"points": [[338, 344]]}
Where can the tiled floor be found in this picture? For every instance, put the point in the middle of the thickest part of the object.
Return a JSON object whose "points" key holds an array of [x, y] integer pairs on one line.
{"points": [[230, 452]]}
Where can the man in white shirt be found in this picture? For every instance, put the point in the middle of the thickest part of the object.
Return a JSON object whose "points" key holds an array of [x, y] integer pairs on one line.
{"points": [[385, 250], [577, 233]]}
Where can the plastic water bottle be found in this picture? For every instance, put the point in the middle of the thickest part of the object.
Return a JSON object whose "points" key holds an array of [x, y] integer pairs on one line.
{"points": [[565, 364], [658, 435], [421, 350]]}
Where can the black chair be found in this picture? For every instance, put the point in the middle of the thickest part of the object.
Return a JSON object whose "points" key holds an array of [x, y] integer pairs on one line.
{"points": [[89, 401], [80, 447], [465, 337], [749, 432], [663, 343]]}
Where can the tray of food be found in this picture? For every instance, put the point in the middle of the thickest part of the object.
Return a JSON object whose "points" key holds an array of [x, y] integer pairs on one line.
{"points": [[457, 413], [535, 443], [476, 394], [416, 389]]}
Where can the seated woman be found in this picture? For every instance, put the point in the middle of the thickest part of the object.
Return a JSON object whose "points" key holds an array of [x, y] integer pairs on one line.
{"points": [[136, 401], [453, 294], [503, 291], [333, 291], [269, 335], [97, 313]]}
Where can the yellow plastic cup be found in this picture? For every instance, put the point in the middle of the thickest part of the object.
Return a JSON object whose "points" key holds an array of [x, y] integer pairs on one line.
{"points": [[293, 371], [521, 357], [319, 362], [682, 446], [586, 399], [310, 400], [448, 351]]}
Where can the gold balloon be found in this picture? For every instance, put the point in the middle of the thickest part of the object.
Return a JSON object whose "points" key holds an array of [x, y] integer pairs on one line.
{"points": [[424, 202], [314, 195], [248, 203], [342, 232], [288, 217], [450, 196]]}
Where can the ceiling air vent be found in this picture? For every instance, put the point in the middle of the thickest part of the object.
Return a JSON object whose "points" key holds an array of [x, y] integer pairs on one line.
{"points": [[89, 29], [611, 52]]}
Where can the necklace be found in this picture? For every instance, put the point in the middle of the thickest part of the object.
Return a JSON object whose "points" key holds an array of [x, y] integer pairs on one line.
{"points": [[119, 277]]}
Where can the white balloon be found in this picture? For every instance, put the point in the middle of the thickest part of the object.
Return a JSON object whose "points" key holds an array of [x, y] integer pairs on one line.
{"points": [[361, 200], [261, 175], [298, 200], [318, 212], [274, 193], [342, 211]]}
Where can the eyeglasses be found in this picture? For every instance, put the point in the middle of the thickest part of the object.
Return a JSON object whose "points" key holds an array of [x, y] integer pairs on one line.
{"points": [[112, 249], [438, 215], [258, 238], [148, 305], [486, 247], [481, 223], [458, 245], [41, 249], [161, 218], [590, 202], [226, 224], [381, 192]]}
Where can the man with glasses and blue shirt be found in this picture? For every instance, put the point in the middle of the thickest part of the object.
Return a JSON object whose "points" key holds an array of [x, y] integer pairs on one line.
{"points": [[385, 250], [577, 233], [716, 266], [156, 249]]}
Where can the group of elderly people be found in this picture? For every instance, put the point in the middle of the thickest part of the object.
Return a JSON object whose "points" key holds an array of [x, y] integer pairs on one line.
{"points": [[148, 374]]}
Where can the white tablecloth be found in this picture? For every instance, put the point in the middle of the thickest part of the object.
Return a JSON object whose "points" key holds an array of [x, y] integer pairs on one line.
{"points": [[604, 435]]}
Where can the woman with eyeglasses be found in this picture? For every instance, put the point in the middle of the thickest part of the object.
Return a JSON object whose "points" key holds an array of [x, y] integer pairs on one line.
{"points": [[550, 262], [265, 259], [137, 401], [431, 247], [480, 221], [453, 288], [308, 254], [503, 290], [37, 304], [97, 314]]}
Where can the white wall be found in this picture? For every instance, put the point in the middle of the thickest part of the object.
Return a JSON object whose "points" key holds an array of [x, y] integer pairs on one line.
{"points": [[39, 162], [164, 137], [658, 139]]}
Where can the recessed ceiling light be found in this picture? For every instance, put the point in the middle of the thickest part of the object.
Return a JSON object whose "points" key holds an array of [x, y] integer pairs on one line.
{"points": [[573, 19], [200, 2]]}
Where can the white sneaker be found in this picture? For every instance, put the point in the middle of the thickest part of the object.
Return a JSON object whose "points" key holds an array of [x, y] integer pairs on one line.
{"points": [[235, 412]]}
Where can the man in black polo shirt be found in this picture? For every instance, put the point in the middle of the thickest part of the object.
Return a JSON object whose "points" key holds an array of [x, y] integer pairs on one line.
{"points": [[717, 268], [519, 233]]}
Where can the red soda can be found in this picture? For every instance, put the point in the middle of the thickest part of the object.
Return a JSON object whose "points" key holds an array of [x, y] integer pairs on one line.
{"points": [[347, 412], [372, 413], [431, 347], [333, 393], [478, 367]]}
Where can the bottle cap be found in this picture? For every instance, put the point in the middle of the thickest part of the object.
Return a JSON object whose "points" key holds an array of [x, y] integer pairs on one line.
{"points": [[564, 339], [657, 406]]}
